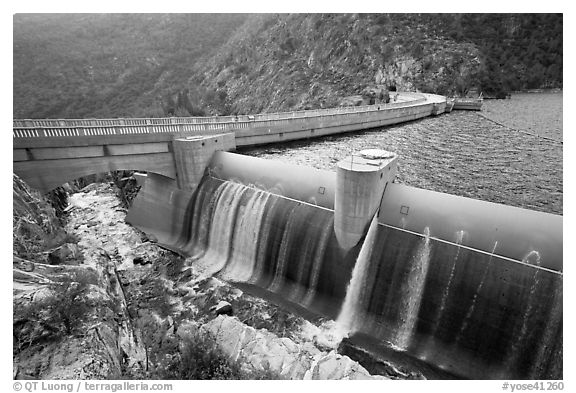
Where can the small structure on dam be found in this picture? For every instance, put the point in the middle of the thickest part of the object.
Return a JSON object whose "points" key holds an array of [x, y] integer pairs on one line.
{"points": [[360, 183], [471, 287]]}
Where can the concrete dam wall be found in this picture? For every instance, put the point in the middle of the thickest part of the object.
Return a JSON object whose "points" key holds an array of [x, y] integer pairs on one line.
{"points": [[471, 287]]}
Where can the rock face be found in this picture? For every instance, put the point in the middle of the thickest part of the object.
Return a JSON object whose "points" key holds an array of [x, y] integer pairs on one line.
{"points": [[302, 61], [70, 316], [102, 343], [262, 350]]}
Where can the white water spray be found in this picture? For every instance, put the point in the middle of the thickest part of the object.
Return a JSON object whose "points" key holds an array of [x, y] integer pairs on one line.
{"points": [[446, 292], [412, 292], [516, 344], [472, 307], [349, 314]]}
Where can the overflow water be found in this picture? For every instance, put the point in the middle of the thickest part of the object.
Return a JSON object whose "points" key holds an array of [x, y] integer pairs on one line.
{"points": [[446, 291], [246, 238], [410, 293], [350, 315], [256, 238], [411, 296]]}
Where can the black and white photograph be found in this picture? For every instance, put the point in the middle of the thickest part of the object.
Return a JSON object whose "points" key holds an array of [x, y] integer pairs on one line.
{"points": [[287, 196]]}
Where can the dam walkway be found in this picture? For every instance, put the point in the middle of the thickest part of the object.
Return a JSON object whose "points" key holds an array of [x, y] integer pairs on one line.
{"points": [[50, 152]]}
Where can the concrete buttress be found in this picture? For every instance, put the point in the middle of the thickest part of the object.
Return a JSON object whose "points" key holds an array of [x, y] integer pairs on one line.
{"points": [[192, 155]]}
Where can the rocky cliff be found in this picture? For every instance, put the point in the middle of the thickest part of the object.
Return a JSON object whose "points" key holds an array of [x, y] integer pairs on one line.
{"points": [[298, 61]]}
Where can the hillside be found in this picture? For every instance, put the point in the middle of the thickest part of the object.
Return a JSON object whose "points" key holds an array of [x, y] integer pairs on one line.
{"points": [[181, 64], [112, 65]]}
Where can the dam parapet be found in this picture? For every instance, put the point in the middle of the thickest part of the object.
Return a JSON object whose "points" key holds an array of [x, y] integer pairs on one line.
{"points": [[471, 287]]}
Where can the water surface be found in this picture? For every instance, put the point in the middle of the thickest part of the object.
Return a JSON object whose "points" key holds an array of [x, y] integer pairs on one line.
{"points": [[462, 153]]}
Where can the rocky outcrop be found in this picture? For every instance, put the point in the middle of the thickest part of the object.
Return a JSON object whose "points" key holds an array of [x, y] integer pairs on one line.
{"points": [[261, 350], [70, 315], [100, 342]]}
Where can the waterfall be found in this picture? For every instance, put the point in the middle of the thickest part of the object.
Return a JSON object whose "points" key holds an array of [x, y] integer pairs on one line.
{"points": [[221, 229], [349, 314], [413, 289], [252, 236], [550, 336], [285, 248], [472, 307], [203, 209], [317, 262], [446, 291], [266, 228], [245, 243], [514, 351]]}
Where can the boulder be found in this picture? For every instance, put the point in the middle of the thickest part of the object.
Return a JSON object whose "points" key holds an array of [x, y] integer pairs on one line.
{"points": [[223, 307], [186, 274], [66, 254], [336, 366], [261, 350]]}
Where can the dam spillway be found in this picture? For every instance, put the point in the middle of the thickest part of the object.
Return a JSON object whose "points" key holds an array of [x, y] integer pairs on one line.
{"points": [[448, 280]]}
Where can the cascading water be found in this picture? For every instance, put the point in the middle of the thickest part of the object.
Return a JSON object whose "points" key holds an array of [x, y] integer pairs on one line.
{"points": [[446, 291], [221, 229], [472, 307], [285, 248], [431, 299], [244, 246], [266, 229], [253, 237], [317, 263], [549, 353], [533, 258], [413, 289], [349, 314]]}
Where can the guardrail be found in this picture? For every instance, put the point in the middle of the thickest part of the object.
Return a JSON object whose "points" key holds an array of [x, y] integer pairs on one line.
{"points": [[38, 128]]}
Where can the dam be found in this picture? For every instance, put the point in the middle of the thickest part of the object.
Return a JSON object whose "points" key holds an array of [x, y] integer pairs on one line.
{"points": [[471, 287], [476, 292], [50, 152]]}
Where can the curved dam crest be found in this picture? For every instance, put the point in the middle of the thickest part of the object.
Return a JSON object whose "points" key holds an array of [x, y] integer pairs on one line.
{"points": [[464, 293]]}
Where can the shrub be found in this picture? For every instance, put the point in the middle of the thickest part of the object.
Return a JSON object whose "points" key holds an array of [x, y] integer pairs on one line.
{"points": [[62, 313], [201, 359]]}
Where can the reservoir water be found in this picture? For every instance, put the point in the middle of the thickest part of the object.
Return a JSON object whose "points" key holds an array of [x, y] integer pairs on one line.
{"points": [[497, 155]]}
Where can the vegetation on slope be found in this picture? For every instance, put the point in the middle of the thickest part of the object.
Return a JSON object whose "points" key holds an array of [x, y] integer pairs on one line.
{"points": [[111, 65], [189, 64]]}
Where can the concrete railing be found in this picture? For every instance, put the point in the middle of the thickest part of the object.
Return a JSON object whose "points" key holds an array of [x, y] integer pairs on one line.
{"points": [[39, 128]]}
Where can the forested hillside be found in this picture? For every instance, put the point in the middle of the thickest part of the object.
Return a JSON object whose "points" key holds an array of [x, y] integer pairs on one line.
{"points": [[108, 65], [117, 65]]}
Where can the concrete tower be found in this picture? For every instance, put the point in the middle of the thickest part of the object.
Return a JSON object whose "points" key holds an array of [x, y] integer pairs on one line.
{"points": [[360, 182]]}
